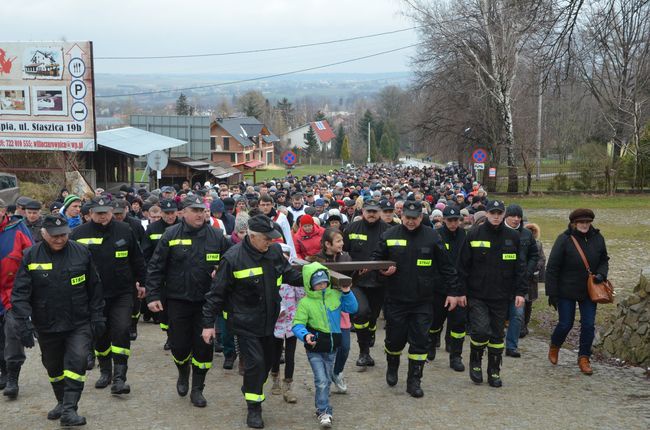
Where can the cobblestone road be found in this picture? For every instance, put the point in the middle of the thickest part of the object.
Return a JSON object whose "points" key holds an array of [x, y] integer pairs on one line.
{"points": [[535, 395]]}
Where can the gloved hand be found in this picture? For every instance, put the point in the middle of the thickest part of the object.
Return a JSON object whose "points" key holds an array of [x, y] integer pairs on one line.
{"points": [[552, 301], [26, 333], [98, 328], [598, 278]]}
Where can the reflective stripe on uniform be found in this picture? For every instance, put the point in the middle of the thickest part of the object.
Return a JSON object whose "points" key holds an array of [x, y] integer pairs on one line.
{"points": [[418, 357], [248, 273], [103, 353], [181, 362], [75, 376], [212, 257], [224, 314], [424, 263], [200, 365], [252, 397], [475, 343], [175, 242], [164, 326], [479, 244], [279, 281], [355, 236], [509, 256], [135, 316], [39, 266], [447, 246], [435, 330], [91, 240], [396, 242], [155, 236], [121, 254], [78, 280], [361, 326], [57, 378], [392, 352], [120, 350], [496, 345], [373, 328], [457, 335]]}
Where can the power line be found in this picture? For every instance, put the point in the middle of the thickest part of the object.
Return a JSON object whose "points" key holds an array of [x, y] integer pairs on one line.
{"points": [[252, 51], [221, 84]]}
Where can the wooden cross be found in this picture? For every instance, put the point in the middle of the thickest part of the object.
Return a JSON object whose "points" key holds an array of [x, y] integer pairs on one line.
{"points": [[335, 269]]}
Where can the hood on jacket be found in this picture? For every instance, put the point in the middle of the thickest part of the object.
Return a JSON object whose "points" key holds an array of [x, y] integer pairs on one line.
{"points": [[534, 228], [315, 232], [332, 300]]}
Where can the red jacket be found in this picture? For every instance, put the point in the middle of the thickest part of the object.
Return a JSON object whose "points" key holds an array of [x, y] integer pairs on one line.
{"points": [[14, 239], [308, 244]]}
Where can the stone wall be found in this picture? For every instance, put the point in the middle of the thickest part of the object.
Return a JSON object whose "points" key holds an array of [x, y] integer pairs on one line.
{"points": [[628, 338]]}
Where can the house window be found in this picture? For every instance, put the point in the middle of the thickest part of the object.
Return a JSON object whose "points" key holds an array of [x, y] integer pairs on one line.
{"points": [[319, 125], [289, 141], [269, 157], [233, 158], [213, 143], [248, 156], [226, 144]]}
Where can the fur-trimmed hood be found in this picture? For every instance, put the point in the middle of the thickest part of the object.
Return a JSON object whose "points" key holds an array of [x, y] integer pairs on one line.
{"points": [[537, 232]]}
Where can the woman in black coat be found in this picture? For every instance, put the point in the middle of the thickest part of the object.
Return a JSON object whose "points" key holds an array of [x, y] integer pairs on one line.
{"points": [[566, 283]]}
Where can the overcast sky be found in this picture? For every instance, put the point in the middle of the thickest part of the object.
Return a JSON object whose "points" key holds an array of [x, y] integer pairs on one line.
{"points": [[166, 27]]}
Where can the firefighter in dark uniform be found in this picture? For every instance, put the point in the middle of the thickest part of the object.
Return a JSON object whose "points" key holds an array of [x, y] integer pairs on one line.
{"points": [[359, 240], [422, 263], [492, 272], [151, 238], [58, 287], [121, 267], [246, 291], [33, 219], [121, 213], [453, 236], [181, 271]]}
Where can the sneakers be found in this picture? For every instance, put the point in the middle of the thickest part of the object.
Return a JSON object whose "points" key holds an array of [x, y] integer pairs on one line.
{"points": [[339, 383], [325, 421]]}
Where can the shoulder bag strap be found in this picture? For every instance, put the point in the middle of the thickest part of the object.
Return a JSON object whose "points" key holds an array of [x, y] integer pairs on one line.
{"points": [[582, 254]]}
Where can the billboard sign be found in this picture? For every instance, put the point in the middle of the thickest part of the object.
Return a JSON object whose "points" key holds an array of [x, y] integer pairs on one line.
{"points": [[47, 96]]}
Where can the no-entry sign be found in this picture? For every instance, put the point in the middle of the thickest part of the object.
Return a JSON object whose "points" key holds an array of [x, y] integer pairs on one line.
{"points": [[479, 155]]}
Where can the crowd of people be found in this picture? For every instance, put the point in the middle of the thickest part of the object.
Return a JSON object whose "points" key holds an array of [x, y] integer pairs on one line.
{"points": [[242, 269]]}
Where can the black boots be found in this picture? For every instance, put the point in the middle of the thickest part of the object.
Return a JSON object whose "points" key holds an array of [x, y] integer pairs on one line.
{"points": [[434, 343], [69, 415], [106, 372], [414, 377], [494, 367], [133, 330], [365, 360], [254, 417], [229, 361], [196, 396], [90, 361], [455, 357], [391, 369], [3, 374], [58, 388], [119, 380], [183, 381], [364, 338], [11, 389], [475, 371]]}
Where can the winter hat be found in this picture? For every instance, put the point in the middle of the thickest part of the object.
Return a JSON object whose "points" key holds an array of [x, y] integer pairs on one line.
{"points": [[514, 210], [440, 206], [436, 213], [306, 219], [581, 214], [318, 277], [68, 201], [217, 206]]}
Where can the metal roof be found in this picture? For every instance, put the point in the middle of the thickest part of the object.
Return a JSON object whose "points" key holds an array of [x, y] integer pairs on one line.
{"points": [[244, 128], [134, 141]]}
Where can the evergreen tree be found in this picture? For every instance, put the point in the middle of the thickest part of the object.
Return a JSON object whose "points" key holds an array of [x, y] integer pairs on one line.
{"points": [[182, 106], [363, 126], [391, 131], [345, 149], [286, 111], [252, 103], [320, 116], [340, 136], [311, 142], [386, 147], [374, 150]]}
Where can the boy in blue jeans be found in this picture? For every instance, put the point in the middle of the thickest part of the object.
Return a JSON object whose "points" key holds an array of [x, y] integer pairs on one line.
{"points": [[318, 324]]}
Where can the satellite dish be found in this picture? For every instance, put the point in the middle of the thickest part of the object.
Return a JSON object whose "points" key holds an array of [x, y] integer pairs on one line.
{"points": [[157, 160]]}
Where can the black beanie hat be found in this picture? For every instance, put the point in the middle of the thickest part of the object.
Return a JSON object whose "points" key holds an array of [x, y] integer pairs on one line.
{"points": [[514, 210]]}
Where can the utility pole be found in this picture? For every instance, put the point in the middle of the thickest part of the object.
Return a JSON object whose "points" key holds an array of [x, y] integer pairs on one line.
{"points": [[368, 142], [538, 155]]}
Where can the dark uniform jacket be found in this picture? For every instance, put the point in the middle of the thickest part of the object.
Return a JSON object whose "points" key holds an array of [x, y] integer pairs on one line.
{"points": [[490, 263], [59, 290], [182, 264], [136, 226], [453, 242], [423, 265], [360, 239], [35, 229], [152, 236], [528, 250], [116, 253], [566, 275], [246, 289]]}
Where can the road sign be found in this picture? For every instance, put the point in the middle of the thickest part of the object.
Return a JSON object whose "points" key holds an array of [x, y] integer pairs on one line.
{"points": [[79, 111], [78, 89], [480, 155], [492, 173], [157, 160], [479, 166], [289, 158]]}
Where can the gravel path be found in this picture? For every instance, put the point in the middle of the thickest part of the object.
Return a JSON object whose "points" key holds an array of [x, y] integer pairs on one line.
{"points": [[535, 395]]}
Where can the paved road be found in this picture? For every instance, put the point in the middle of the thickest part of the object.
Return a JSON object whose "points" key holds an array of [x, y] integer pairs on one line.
{"points": [[535, 395]]}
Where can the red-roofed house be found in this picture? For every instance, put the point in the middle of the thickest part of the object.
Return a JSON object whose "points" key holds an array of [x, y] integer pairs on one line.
{"points": [[295, 139]]}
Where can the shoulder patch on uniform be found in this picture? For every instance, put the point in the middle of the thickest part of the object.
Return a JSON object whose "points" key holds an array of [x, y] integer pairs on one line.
{"points": [[509, 242]]}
